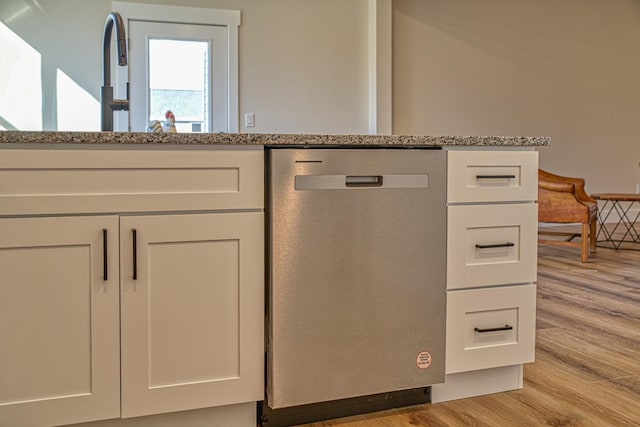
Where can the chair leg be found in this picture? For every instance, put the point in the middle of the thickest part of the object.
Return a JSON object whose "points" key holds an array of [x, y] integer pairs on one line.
{"points": [[584, 237], [592, 236]]}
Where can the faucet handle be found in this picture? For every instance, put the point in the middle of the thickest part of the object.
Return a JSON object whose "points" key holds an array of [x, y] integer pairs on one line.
{"points": [[120, 105]]}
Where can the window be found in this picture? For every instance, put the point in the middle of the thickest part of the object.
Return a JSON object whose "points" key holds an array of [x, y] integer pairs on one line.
{"points": [[184, 60], [179, 82]]}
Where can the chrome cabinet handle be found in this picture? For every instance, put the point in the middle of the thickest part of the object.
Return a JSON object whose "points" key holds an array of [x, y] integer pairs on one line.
{"points": [[502, 328], [497, 245], [105, 264], [135, 254]]}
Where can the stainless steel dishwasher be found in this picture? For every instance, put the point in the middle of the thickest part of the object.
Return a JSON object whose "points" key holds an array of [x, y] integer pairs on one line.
{"points": [[356, 283]]}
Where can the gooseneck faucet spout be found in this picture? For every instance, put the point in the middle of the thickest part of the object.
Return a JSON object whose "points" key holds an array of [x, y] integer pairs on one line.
{"points": [[107, 104]]}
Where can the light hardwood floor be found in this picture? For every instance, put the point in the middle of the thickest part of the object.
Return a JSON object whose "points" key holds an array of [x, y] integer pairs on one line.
{"points": [[587, 368]]}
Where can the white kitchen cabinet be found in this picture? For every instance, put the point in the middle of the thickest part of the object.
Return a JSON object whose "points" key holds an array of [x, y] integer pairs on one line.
{"points": [[187, 333], [491, 270], [492, 176], [490, 327], [491, 244], [158, 179], [59, 320], [192, 305]]}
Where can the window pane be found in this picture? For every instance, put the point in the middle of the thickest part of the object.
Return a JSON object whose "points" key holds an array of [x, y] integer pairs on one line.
{"points": [[178, 81], [20, 82]]}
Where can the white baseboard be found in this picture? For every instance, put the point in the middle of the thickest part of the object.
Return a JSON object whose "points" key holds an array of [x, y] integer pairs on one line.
{"points": [[478, 383], [240, 415]]}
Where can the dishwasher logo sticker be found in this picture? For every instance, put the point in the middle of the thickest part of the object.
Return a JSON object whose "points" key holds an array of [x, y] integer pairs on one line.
{"points": [[423, 360]]}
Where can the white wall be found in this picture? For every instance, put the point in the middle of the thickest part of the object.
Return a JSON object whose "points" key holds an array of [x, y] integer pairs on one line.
{"points": [[303, 63], [67, 35], [565, 69]]}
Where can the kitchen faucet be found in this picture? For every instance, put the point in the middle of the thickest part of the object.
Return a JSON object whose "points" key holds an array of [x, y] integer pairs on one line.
{"points": [[107, 104]]}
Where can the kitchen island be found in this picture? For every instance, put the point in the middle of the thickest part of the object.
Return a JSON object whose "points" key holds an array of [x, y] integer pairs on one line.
{"points": [[142, 224]]}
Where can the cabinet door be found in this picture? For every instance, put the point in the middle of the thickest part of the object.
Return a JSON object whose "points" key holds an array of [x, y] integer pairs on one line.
{"points": [[59, 297], [192, 317]]}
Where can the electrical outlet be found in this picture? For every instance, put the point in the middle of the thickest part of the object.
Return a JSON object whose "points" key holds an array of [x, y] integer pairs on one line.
{"points": [[249, 120]]}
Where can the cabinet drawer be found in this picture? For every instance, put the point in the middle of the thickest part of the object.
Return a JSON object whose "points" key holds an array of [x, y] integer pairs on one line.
{"points": [[90, 180], [492, 176], [490, 327], [491, 244]]}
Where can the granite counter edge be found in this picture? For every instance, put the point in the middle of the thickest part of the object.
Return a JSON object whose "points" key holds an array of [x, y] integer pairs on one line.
{"points": [[139, 138]]}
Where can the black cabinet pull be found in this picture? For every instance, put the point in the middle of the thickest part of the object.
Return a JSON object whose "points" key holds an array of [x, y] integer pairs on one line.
{"points": [[502, 328], [105, 268], [495, 176], [497, 245], [135, 254]]}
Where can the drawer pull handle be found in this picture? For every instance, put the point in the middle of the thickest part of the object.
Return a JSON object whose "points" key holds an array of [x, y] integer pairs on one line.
{"points": [[497, 245], [495, 176], [503, 328], [135, 254], [105, 275]]}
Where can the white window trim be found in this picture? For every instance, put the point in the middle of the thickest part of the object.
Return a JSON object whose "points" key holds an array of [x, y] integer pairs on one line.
{"points": [[196, 15], [380, 67]]}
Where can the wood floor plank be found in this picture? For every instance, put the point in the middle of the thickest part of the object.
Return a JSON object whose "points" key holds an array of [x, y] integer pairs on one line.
{"points": [[587, 368], [619, 305], [584, 403], [589, 320], [596, 368], [570, 344]]}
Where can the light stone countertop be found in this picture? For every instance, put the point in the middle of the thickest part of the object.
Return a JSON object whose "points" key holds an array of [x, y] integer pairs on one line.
{"points": [[266, 139]]}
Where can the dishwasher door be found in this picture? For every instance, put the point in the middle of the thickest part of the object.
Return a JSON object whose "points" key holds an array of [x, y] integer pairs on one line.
{"points": [[356, 286]]}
